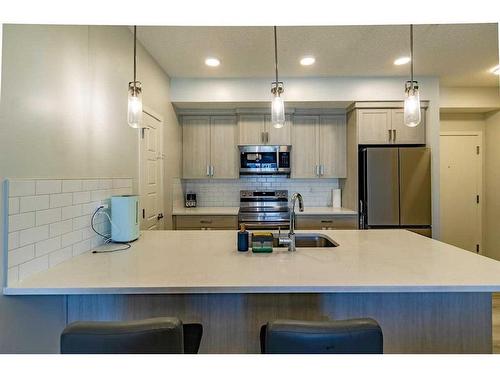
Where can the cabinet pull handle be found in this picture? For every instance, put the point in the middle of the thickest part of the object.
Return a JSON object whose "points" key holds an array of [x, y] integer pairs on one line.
{"points": [[205, 221], [267, 137], [212, 170], [321, 170], [208, 170], [262, 137], [317, 170], [327, 221], [390, 135], [394, 135]]}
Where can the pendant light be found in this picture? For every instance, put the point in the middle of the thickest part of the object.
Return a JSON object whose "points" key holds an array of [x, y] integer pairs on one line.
{"points": [[277, 105], [134, 93], [412, 96]]}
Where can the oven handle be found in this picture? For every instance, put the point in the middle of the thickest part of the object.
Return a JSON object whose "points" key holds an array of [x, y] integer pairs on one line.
{"points": [[269, 224]]}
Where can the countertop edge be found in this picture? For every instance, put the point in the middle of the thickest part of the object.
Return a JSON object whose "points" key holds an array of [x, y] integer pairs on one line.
{"points": [[19, 291]]}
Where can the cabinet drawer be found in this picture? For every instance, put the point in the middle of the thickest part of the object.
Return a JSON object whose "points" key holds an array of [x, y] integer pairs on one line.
{"points": [[326, 222], [205, 222]]}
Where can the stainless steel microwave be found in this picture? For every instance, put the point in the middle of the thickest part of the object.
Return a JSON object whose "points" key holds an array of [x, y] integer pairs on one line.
{"points": [[265, 160]]}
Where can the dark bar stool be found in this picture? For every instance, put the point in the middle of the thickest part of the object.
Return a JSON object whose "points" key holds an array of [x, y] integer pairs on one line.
{"points": [[354, 336], [148, 336]]}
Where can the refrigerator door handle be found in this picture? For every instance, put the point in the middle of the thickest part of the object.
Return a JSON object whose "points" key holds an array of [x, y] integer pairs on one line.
{"points": [[361, 215]]}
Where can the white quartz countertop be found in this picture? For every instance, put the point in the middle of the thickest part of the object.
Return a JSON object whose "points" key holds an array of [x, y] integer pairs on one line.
{"points": [[325, 211], [207, 262], [226, 211]]}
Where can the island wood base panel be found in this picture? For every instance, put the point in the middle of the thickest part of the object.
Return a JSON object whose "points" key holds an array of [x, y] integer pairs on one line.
{"points": [[411, 322]]}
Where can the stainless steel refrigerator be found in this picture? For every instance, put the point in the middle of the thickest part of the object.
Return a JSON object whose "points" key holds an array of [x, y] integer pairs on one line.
{"points": [[395, 188]]}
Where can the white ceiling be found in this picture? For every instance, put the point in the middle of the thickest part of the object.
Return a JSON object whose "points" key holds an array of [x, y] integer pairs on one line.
{"points": [[460, 55]]}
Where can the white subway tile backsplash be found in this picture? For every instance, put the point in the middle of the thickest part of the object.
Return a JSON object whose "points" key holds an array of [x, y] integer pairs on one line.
{"points": [[81, 247], [99, 195], [105, 184], [71, 211], [47, 246], [13, 205], [21, 221], [61, 227], [61, 200], [49, 220], [81, 222], [19, 188], [33, 266], [122, 183], [34, 203], [89, 208], [60, 256], [69, 186], [48, 216], [88, 185], [48, 186], [13, 275], [13, 240], [81, 197], [71, 238], [21, 255], [33, 235]]}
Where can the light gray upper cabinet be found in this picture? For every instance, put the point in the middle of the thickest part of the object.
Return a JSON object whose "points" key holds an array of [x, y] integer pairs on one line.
{"points": [[403, 134], [386, 126], [319, 146], [258, 130], [209, 147]]}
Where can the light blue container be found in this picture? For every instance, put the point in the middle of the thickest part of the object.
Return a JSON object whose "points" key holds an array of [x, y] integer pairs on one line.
{"points": [[125, 218]]}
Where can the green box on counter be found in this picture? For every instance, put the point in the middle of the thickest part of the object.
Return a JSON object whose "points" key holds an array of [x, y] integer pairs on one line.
{"points": [[262, 242]]}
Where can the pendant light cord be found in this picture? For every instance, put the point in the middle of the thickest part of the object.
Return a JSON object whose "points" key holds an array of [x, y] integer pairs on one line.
{"points": [[276, 56], [411, 55], [135, 55]]}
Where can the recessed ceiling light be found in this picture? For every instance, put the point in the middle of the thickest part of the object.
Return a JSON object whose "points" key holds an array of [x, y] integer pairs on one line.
{"points": [[402, 60], [307, 60], [495, 70], [212, 61]]}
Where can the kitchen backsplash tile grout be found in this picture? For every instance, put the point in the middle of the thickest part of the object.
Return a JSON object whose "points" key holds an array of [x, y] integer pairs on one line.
{"points": [[225, 193], [49, 220]]}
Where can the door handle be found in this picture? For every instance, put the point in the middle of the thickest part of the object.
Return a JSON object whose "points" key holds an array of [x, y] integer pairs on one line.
{"points": [[390, 135]]}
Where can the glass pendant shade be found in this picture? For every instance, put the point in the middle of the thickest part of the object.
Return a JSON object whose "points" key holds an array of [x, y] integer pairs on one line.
{"points": [[278, 112], [412, 114], [134, 104]]}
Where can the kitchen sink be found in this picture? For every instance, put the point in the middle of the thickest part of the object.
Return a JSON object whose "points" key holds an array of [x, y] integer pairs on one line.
{"points": [[308, 240]]}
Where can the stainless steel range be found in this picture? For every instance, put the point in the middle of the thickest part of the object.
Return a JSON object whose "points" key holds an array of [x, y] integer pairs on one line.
{"points": [[264, 209]]}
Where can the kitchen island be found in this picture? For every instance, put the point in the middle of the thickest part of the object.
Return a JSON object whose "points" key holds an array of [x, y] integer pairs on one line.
{"points": [[428, 297]]}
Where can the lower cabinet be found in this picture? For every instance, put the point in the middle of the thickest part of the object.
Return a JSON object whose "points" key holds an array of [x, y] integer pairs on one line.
{"points": [[325, 222], [205, 222]]}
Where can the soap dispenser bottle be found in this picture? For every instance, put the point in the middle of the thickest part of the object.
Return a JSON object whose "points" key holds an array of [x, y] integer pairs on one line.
{"points": [[242, 239]]}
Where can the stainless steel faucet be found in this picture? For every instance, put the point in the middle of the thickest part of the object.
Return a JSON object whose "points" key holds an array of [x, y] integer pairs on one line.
{"points": [[290, 240]]}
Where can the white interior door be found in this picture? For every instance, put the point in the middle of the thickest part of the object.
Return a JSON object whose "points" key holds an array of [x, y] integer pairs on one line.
{"points": [[461, 185], [151, 176]]}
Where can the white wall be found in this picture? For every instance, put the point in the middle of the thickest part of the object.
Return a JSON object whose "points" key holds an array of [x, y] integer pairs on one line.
{"points": [[191, 92], [461, 99], [63, 114]]}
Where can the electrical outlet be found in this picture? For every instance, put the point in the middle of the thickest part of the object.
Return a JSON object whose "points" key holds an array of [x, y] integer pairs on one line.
{"points": [[105, 206]]}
